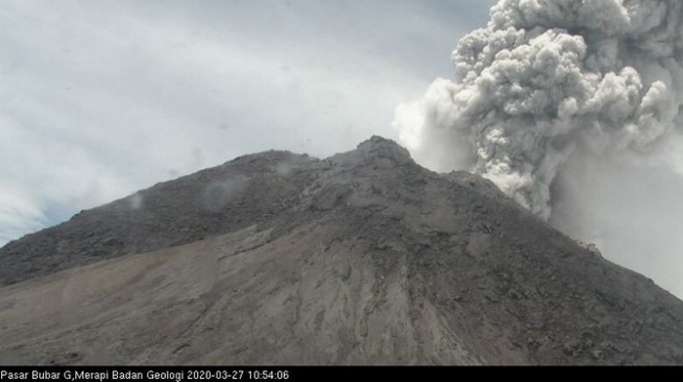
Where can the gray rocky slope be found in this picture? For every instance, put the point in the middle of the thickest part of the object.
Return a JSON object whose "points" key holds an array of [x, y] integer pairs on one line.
{"points": [[361, 258]]}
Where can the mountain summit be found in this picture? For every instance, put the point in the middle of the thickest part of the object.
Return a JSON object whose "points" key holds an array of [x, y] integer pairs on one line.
{"points": [[361, 258]]}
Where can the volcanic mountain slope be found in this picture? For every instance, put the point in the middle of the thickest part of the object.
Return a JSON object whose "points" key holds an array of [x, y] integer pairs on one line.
{"points": [[361, 258]]}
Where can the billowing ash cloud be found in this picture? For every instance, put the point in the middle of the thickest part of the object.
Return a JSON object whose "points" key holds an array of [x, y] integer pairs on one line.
{"points": [[547, 80]]}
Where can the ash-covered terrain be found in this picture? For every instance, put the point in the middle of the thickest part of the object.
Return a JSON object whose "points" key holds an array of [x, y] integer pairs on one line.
{"points": [[361, 258]]}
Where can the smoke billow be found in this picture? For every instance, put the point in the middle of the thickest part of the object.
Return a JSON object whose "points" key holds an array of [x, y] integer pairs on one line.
{"points": [[551, 89], [545, 78]]}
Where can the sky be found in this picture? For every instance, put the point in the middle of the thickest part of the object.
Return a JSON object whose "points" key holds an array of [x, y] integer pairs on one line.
{"points": [[99, 99]]}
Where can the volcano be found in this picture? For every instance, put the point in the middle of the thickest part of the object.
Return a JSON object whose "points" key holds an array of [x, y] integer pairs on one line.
{"points": [[364, 257]]}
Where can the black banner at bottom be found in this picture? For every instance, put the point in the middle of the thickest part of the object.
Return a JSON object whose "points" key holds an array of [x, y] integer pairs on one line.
{"points": [[287, 373]]}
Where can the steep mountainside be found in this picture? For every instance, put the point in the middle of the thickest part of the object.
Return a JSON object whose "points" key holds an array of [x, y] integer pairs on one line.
{"points": [[363, 257]]}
